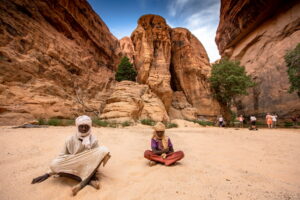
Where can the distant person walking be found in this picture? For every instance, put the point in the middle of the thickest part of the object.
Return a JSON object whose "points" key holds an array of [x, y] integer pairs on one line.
{"points": [[221, 121], [241, 120], [269, 120], [274, 120]]}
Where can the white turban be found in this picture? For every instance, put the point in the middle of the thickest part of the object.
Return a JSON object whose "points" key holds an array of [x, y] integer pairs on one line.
{"points": [[85, 137], [83, 120]]}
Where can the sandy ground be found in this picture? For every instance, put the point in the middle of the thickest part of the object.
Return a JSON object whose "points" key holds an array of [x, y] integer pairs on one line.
{"points": [[219, 164]]}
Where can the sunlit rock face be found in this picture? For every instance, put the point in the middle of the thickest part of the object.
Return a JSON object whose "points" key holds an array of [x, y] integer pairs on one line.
{"points": [[131, 101], [127, 48], [258, 34], [152, 44], [190, 70], [171, 60], [57, 58]]}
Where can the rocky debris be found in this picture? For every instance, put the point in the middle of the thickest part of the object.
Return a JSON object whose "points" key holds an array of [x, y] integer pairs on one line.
{"points": [[258, 34], [131, 101], [56, 59]]}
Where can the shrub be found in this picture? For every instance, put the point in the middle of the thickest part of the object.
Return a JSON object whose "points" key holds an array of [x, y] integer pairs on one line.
{"points": [[203, 123], [54, 122], [68, 122], [126, 123], [149, 122], [229, 80], [113, 124], [98, 122], [292, 60], [42, 121], [170, 125], [288, 124], [125, 71]]}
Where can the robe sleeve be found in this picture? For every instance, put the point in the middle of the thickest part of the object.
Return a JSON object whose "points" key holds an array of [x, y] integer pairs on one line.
{"points": [[64, 150], [94, 142]]}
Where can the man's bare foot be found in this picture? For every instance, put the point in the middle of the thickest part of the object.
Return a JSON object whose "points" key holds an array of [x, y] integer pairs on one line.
{"points": [[152, 163], [75, 189], [95, 184]]}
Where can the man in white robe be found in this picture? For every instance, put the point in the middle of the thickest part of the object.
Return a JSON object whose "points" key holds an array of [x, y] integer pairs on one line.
{"points": [[80, 157]]}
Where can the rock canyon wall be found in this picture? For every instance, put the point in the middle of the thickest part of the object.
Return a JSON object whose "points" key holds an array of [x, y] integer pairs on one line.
{"points": [[57, 57], [258, 34]]}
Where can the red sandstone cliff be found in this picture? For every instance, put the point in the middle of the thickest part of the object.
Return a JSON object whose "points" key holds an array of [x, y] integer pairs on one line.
{"points": [[173, 60], [56, 56], [58, 59], [258, 34]]}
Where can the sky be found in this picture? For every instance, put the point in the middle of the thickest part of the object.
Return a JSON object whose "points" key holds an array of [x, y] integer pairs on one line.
{"points": [[201, 17]]}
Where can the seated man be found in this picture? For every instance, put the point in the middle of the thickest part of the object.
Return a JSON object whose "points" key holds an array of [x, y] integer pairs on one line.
{"points": [[162, 148], [80, 158]]}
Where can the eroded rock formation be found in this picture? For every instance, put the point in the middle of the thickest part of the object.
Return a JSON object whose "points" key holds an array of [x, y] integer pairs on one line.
{"points": [[152, 44], [131, 101], [258, 34], [190, 69], [57, 58], [171, 60]]}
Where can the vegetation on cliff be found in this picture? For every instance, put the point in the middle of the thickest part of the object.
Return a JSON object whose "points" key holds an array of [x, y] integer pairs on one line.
{"points": [[292, 60], [125, 71]]}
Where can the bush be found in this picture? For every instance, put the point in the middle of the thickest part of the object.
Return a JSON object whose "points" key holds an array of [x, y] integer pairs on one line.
{"points": [[113, 124], [148, 122], [261, 123], [288, 124], [292, 60], [203, 123], [42, 121], [229, 80], [125, 71], [170, 125], [54, 122], [98, 122], [68, 122], [126, 123]]}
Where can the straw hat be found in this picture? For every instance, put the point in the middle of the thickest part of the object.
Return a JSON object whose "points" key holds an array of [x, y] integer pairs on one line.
{"points": [[159, 127]]}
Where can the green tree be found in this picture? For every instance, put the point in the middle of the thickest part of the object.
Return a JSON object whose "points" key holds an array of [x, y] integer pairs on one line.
{"points": [[228, 81], [125, 70], [292, 60]]}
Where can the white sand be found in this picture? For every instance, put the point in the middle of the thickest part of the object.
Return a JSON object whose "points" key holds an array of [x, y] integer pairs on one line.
{"points": [[219, 164]]}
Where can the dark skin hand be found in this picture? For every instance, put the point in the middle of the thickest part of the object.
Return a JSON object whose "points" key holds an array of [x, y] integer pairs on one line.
{"points": [[83, 128], [167, 150]]}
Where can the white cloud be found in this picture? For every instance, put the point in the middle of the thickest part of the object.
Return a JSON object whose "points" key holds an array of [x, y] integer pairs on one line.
{"points": [[176, 6], [206, 35], [203, 25]]}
